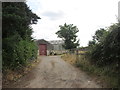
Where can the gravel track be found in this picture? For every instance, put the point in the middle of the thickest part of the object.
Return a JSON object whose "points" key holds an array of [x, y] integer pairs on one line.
{"points": [[53, 72]]}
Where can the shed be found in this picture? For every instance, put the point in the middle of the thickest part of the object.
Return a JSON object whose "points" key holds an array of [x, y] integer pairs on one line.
{"points": [[44, 47]]}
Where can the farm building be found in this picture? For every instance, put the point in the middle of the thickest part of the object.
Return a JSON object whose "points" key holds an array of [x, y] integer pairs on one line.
{"points": [[44, 47], [57, 46]]}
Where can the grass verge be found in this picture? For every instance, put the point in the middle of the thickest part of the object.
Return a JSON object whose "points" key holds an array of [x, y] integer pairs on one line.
{"points": [[70, 58], [105, 75]]}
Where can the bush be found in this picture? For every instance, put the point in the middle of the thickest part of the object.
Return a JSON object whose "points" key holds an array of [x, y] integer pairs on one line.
{"points": [[106, 53], [17, 52]]}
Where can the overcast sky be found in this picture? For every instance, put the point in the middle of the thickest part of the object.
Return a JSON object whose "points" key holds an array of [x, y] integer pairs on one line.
{"points": [[87, 15]]}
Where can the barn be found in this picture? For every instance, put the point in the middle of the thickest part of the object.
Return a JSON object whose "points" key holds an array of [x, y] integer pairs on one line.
{"points": [[44, 47]]}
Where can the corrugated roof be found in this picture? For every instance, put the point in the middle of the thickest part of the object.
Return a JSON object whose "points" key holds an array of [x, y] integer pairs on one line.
{"points": [[56, 42]]}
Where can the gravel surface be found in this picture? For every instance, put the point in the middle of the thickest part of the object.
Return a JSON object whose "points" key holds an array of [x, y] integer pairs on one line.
{"points": [[53, 72]]}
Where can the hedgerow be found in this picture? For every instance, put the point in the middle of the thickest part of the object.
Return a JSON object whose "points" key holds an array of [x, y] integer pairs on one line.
{"points": [[18, 52], [105, 53], [18, 46]]}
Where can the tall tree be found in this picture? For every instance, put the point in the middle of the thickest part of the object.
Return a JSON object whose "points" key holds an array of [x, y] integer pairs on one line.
{"points": [[106, 49], [68, 34], [99, 37], [17, 18], [18, 46]]}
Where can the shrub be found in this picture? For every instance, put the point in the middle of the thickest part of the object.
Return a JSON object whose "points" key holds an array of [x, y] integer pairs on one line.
{"points": [[16, 52], [107, 51]]}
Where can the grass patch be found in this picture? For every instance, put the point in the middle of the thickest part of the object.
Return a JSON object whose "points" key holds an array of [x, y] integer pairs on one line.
{"points": [[70, 58], [105, 74]]}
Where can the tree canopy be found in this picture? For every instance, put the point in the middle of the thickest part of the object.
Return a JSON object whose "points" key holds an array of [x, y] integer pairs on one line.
{"points": [[68, 34], [106, 48], [99, 37], [17, 18]]}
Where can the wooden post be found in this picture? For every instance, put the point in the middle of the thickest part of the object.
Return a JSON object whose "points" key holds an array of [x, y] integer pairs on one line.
{"points": [[77, 55]]}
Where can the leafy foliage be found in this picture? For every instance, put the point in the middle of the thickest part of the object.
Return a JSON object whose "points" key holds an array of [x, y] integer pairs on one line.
{"points": [[68, 34], [99, 37], [16, 18], [106, 50], [18, 46], [105, 53]]}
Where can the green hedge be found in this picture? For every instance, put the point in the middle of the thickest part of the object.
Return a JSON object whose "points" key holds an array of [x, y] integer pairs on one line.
{"points": [[106, 53], [17, 52]]}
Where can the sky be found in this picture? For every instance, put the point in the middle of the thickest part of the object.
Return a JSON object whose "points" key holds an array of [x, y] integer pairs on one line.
{"points": [[87, 15]]}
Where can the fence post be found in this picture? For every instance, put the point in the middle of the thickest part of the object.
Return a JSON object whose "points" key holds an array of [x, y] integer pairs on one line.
{"points": [[77, 55]]}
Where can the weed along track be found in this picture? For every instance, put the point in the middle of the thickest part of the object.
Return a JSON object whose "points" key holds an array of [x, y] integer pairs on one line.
{"points": [[53, 72]]}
